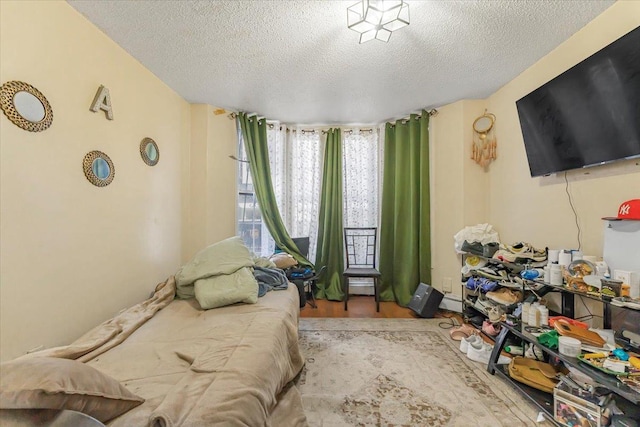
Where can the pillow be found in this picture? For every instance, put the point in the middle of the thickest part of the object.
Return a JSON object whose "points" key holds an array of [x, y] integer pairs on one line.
{"points": [[263, 262], [226, 289], [54, 383], [224, 257], [283, 260]]}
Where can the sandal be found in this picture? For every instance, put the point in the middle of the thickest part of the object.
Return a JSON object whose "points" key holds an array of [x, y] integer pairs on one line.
{"points": [[464, 331], [490, 329]]}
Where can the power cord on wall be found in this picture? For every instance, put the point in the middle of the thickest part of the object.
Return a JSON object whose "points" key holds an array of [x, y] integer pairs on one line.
{"points": [[575, 214], [588, 316]]}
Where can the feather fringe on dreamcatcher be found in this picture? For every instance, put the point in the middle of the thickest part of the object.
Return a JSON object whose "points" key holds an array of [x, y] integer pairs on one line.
{"points": [[484, 145]]}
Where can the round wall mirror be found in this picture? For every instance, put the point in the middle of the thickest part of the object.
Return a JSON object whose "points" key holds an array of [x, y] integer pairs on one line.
{"points": [[483, 124], [98, 168], [29, 106], [25, 106], [149, 151]]}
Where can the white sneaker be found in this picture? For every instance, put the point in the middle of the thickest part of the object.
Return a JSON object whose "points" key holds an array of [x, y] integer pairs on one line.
{"points": [[481, 352], [464, 343]]}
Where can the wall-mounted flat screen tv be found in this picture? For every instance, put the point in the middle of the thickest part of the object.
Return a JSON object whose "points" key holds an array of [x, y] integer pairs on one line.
{"points": [[588, 115]]}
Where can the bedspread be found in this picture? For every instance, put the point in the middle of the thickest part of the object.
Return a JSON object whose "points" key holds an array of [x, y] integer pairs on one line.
{"points": [[230, 366]]}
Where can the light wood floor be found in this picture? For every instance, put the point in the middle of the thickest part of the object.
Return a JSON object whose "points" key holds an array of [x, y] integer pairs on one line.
{"points": [[360, 306]]}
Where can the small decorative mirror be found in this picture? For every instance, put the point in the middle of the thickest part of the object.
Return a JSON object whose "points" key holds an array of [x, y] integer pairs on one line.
{"points": [[98, 168], [484, 123], [149, 151], [25, 106]]}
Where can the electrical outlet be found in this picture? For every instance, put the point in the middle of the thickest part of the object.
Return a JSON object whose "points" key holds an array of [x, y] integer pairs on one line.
{"points": [[446, 284]]}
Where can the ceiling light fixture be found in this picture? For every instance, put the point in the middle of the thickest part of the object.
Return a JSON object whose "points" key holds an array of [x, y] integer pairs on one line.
{"points": [[376, 19]]}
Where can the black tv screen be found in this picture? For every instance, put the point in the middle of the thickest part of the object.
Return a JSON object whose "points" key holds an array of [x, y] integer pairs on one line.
{"points": [[588, 115]]}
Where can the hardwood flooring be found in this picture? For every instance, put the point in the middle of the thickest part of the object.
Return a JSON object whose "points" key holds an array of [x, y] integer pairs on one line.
{"points": [[361, 306]]}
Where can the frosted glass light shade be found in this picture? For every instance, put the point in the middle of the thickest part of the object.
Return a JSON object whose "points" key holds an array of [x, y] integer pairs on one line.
{"points": [[376, 19]]}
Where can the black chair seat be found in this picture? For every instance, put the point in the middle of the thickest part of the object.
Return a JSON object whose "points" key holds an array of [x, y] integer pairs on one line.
{"points": [[361, 272]]}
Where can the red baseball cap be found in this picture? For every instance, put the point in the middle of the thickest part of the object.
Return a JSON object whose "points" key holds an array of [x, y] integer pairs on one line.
{"points": [[628, 210]]}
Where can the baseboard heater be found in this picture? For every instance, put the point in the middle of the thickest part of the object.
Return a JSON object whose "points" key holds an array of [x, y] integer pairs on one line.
{"points": [[451, 302]]}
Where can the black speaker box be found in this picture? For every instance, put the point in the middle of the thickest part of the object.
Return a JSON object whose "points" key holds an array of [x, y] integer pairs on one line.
{"points": [[425, 301]]}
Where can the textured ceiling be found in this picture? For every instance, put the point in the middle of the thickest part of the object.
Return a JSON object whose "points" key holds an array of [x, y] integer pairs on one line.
{"points": [[296, 61]]}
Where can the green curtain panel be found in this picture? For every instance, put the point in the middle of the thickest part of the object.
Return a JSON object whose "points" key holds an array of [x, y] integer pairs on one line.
{"points": [[330, 248], [254, 134], [405, 231]]}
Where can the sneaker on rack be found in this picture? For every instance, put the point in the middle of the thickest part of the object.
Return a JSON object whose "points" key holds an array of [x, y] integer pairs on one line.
{"points": [[480, 351], [471, 283], [488, 249], [492, 273], [472, 247], [509, 283], [520, 251], [483, 305], [495, 314], [505, 296]]}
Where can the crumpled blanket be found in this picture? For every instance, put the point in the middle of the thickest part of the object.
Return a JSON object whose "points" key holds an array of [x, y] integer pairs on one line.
{"points": [[270, 279], [113, 331]]}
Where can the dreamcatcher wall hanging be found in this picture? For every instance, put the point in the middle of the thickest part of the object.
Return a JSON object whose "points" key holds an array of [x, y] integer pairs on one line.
{"points": [[484, 145]]}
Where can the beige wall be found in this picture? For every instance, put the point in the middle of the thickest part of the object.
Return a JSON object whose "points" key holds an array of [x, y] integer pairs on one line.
{"points": [[522, 208], [74, 254], [459, 188], [537, 209], [212, 179]]}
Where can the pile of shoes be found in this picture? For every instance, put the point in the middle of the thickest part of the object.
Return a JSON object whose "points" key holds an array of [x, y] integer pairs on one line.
{"points": [[492, 277]]}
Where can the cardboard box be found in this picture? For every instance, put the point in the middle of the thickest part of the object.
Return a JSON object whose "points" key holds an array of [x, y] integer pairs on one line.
{"points": [[570, 410], [631, 278]]}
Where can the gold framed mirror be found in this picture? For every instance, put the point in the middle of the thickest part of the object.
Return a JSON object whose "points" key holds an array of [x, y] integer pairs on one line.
{"points": [[149, 151], [25, 106], [484, 123], [98, 168]]}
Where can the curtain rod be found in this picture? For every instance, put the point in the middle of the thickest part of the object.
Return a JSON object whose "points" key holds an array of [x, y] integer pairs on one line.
{"points": [[432, 112]]}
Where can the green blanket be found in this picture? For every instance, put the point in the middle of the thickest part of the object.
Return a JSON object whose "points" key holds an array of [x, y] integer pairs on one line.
{"points": [[219, 275]]}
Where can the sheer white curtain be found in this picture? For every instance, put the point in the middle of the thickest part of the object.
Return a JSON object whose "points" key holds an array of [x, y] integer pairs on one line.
{"points": [[295, 158], [361, 156]]}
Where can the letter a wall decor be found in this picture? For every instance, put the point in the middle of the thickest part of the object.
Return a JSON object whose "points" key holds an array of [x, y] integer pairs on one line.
{"points": [[102, 101]]}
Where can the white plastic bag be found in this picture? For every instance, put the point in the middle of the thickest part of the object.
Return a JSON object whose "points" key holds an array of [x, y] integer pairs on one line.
{"points": [[483, 233]]}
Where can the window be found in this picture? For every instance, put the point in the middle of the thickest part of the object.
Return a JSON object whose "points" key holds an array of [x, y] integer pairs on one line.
{"points": [[249, 217], [295, 160]]}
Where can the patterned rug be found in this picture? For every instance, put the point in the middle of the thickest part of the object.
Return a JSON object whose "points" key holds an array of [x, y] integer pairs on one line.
{"points": [[399, 372]]}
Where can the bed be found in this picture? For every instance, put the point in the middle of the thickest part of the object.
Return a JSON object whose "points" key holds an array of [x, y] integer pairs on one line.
{"points": [[230, 366]]}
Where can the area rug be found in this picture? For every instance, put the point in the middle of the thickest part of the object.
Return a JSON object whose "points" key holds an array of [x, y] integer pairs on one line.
{"points": [[399, 372]]}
